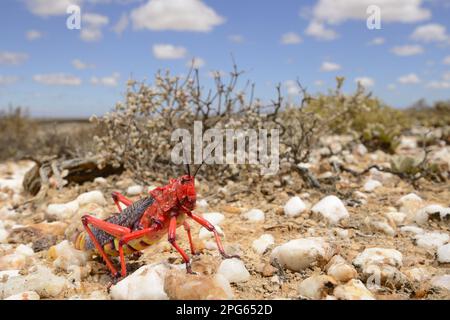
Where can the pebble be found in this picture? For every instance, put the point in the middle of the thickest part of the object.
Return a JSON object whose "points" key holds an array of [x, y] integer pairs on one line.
{"points": [[42, 281], [331, 208], [3, 232], [441, 281], [202, 204], [91, 197], [443, 253], [316, 287], [146, 283], [340, 269], [261, 244], [234, 270], [65, 255], [294, 207], [371, 185], [62, 211], [431, 240], [134, 190], [353, 290], [205, 234], [425, 213], [411, 229], [182, 286], [100, 181], [27, 295], [380, 265], [302, 253], [214, 217], [254, 215]]}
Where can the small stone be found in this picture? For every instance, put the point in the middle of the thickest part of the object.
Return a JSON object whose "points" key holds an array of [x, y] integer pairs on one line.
{"points": [[411, 229], [65, 255], [353, 290], [202, 204], [254, 215], [205, 234], [91, 197], [12, 261], [397, 217], [431, 240], [42, 281], [441, 281], [261, 244], [62, 211], [302, 253], [27, 295], [134, 190], [268, 270], [294, 207], [101, 181], [371, 185], [146, 283], [182, 286], [214, 218], [340, 270], [443, 253], [331, 208], [425, 213], [317, 287], [3, 233], [24, 250], [234, 270]]}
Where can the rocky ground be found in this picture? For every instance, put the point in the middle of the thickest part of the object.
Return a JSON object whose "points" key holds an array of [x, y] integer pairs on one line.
{"points": [[372, 237]]}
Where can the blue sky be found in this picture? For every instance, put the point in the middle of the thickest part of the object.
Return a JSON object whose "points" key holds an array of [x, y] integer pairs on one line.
{"points": [[54, 71]]}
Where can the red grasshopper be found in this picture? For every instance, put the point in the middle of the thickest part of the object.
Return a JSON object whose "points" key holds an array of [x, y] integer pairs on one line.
{"points": [[145, 222]]}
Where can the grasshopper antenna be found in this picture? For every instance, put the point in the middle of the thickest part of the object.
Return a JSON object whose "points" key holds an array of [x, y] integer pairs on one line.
{"points": [[186, 162]]}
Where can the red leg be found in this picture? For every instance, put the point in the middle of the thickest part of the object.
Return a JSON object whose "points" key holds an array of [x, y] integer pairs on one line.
{"points": [[188, 231], [118, 197], [124, 240], [114, 230], [172, 240], [205, 223]]}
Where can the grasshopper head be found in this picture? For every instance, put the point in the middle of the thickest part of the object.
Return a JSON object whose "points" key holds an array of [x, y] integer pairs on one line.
{"points": [[185, 186]]}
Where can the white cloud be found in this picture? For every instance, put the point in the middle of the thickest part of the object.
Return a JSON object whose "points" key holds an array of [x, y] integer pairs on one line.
{"points": [[377, 41], [292, 87], [12, 58], [410, 78], [446, 76], [446, 60], [108, 81], [177, 15], [196, 63], [432, 32], [236, 38], [80, 65], [7, 80], [365, 81], [92, 24], [319, 83], [121, 25], [328, 66], [45, 8], [57, 79], [438, 85], [168, 51], [33, 35], [407, 50], [392, 86], [320, 32], [338, 11], [291, 38]]}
